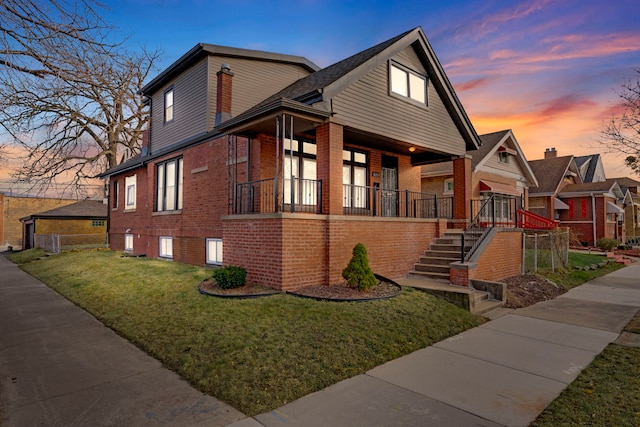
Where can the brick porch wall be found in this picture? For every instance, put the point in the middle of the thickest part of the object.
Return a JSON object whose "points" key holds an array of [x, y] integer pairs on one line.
{"points": [[502, 258], [292, 251]]}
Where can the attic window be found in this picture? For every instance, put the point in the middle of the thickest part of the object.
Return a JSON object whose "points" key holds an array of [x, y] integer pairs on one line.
{"points": [[503, 157], [407, 83]]}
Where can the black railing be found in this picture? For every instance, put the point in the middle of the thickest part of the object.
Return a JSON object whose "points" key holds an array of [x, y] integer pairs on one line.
{"points": [[299, 195], [375, 201], [492, 212]]}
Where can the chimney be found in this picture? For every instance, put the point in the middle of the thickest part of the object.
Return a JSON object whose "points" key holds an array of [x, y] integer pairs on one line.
{"points": [[223, 99], [550, 153]]}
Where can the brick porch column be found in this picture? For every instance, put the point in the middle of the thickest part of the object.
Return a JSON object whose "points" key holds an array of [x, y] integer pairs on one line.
{"points": [[329, 142], [461, 187]]}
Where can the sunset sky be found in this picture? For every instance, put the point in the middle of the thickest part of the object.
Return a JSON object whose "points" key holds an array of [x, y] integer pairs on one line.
{"points": [[547, 69]]}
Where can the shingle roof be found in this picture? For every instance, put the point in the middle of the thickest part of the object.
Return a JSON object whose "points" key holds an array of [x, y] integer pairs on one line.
{"points": [[550, 173], [489, 141], [81, 209], [601, 187], [626, 182], [591, 168]]}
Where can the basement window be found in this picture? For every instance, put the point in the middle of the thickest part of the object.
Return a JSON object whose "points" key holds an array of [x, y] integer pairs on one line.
{"points": [[128, 242], [214, 251], [166, 247]]}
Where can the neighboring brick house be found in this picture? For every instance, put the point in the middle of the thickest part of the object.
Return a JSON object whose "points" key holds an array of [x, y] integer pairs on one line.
{"points": [[12, 208], [498, 168], [80, 223], [578, 195], [265, 161]]}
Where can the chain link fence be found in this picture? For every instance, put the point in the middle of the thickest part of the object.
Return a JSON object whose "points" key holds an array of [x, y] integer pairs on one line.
{"points": [[545, 250], [57, 243]]}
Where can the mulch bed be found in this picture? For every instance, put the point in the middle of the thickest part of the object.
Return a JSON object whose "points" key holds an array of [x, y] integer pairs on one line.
{"points": [[342, 292], [528, 289], [249, 290]]}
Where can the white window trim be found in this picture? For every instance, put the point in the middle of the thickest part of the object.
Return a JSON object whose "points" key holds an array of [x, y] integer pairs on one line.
{"points": [[409, 98], [130, 198], [161, 187], [168, 251], [128, 236], [217, 257], [169, 109], [445, 190]]}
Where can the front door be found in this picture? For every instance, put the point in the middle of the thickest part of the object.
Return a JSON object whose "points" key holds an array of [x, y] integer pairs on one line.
{"points": [[389, 186]]}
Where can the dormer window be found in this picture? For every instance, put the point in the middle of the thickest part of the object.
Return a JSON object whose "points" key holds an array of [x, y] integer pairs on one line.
{"points": [[407, 83], [503, 157]]}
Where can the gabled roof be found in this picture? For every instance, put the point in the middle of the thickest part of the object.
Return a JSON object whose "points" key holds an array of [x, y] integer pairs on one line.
{"points": [[324, 84], [491, 143], [589, 165], [81, 209], [202, 50], [596, 188], [627, 182], [550, 173]]}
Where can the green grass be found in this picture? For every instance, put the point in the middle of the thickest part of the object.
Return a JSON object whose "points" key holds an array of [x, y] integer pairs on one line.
{"points": [[606, 393], [25, 256], [254, 354], [568, 278]]}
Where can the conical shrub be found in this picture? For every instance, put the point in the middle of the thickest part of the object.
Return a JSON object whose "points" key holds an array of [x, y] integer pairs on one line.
{"points": [[358, 274]]}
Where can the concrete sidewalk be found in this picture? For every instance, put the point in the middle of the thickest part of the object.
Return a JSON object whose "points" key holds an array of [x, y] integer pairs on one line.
{"points": [[504, 372], [59, 366]]}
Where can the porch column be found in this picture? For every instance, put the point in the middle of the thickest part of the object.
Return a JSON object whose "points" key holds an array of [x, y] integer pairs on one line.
{"points": [[462, 187], [329, 142]]}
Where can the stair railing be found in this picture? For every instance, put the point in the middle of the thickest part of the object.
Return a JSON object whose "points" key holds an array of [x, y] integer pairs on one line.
{"points": [[475, 234]]}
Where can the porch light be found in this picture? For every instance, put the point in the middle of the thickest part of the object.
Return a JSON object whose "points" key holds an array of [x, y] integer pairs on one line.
{"points": [[412, 149]]}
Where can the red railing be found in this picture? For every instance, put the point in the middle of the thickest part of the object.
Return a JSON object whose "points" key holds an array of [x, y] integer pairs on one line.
{"points": [[534, 221]]}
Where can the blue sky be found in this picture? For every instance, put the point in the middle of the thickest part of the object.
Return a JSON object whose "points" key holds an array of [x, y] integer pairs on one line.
{"points": [[547, 69]]}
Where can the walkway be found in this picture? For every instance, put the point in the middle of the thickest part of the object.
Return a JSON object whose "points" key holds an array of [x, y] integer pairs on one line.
{"points": [[504, 372], [59, 366]]}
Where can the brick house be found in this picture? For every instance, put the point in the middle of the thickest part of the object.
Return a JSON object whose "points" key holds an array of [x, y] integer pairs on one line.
{"points": [[12, 208], [631, 205], [578, 195], [263, 160], [80, 223], [498, 168]]}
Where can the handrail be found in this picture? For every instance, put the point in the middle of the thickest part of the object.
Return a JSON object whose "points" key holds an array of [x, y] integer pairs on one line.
{"points": [[534, 221], [474, 234]]}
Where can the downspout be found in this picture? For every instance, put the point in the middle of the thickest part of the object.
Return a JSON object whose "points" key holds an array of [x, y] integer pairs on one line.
{"points": [[593, 217]]}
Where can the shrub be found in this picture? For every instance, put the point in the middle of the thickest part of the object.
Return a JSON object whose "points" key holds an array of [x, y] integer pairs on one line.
{"points": [[358, 274], [230, 277], [607, 244]]}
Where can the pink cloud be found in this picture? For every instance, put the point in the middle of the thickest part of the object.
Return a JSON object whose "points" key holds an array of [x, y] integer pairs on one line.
{"points": [[471, 84]]}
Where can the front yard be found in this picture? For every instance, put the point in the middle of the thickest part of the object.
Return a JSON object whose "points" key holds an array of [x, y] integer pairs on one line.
{"points": [[255, 354]]}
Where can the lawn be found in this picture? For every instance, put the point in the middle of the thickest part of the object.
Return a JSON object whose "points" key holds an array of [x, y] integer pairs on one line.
{"points": [[606, 393], [255, 354], [570, 277]]}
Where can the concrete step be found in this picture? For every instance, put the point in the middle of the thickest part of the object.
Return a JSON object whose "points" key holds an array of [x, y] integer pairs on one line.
{"points": [[437, 260], [427, 275], [445, 247], [442, 254], [486, 306], [431, 268], [479, 296], [448, 240]]}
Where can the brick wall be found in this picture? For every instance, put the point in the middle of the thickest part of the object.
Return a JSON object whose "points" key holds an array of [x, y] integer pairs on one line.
{"points": [[68, 226], [14, 208], [502, 258], [291, 251]]}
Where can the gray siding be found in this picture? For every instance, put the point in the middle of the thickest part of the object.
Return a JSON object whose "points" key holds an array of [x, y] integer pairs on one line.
{"points": [[367, 105], [493, 163], [189, 107], [253, 82]]}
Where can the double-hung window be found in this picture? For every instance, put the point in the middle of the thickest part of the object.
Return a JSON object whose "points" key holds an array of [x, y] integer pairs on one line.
{"points": [[169, 185], [168, 105], [130, 195], [407, 83], [128, 242], [354, 179]]}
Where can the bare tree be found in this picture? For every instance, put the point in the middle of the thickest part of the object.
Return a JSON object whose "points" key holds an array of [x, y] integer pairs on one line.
{"points": [[621, 133], [68, 90]]}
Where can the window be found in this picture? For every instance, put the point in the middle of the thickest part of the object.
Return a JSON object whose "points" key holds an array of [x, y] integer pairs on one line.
{"points": [[169, 185], [97, 222], [354, 179], [130, 185], [407, 83], [214, 251], [128, 242], [503, 157], [168, 105], [448, 186], [300, 164], [114, 194], [166, 247]]}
